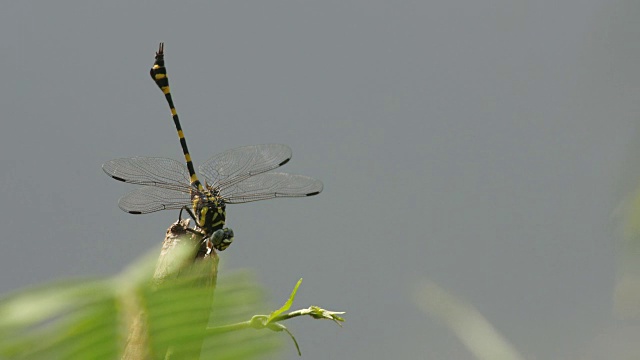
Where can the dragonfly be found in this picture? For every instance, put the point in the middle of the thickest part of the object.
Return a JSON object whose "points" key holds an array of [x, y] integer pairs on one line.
{"points": [[234, 176]]}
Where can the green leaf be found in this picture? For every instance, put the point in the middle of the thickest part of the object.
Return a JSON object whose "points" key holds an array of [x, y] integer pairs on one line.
{"points": [[89, 318], [287, 305]]}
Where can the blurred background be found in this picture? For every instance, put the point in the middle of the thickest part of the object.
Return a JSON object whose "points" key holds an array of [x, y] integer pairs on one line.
{"points": [[490, 147]]}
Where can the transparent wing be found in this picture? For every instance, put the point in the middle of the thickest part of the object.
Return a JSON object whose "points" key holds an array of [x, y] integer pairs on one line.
{"points": [[233, 166], [150, 171], [148, 199], [269, 186]]}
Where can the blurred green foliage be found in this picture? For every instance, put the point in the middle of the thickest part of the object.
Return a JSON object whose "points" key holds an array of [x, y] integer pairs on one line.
{"points": [[90, 318]]}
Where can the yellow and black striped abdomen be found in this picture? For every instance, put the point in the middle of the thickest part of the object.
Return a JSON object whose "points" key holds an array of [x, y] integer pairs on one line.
{"points": [[159, 75]]}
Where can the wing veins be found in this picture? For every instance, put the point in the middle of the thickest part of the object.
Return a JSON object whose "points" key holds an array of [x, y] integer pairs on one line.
{"points": [[233, 166]]}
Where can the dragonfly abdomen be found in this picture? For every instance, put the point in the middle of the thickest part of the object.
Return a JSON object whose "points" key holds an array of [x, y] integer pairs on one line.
{"points": [[159, 75]]}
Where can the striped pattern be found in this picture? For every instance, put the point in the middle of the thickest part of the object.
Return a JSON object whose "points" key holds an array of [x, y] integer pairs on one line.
{"points": [[159, 75]]}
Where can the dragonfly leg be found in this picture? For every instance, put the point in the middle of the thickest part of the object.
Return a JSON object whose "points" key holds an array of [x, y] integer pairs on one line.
{"points": [[222, 238], [195, 231], [191, 214]]}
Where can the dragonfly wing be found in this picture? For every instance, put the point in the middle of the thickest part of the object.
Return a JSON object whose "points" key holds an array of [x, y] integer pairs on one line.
{"points": [[236, 165], [149, 199], [150, 171], [269, 186]]}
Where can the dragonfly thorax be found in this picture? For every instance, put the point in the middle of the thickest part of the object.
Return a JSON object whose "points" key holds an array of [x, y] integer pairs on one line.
{"points": [[209, 210]]}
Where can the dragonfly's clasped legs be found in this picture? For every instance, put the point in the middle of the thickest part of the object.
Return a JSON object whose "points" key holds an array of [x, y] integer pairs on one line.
{"points": [[222, 238]]}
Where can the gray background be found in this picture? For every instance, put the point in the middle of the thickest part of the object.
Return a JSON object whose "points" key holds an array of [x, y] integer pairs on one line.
{"points": [[479, 144]]}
